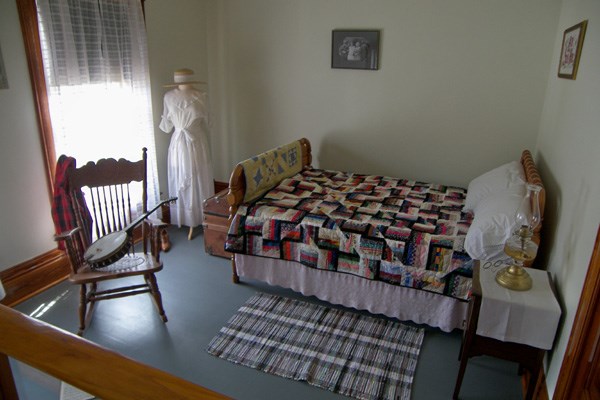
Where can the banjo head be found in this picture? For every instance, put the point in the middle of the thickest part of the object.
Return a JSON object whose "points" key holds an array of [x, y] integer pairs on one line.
{"points": [[105, 247]]}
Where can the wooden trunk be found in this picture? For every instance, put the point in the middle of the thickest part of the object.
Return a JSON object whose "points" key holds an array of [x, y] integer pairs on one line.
{"points": [[216, 224]]}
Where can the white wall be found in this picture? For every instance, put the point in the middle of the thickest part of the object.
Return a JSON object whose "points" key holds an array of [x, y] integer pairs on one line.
{"points": [[567, 154], [27, 228], [461, 80]]}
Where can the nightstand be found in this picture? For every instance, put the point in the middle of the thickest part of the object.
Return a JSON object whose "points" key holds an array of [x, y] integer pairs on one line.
{"points": [[511, 325]]}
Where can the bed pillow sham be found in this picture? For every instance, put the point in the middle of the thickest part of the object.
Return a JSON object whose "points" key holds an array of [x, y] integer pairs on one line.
{"points": [[508, 177], [493, 223]]}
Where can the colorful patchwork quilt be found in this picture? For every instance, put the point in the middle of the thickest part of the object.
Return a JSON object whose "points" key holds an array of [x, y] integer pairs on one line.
{"points": [[398, 231]]}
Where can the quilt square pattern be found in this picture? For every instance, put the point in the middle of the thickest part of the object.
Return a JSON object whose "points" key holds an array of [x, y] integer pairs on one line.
{"points": [[399, 231]]}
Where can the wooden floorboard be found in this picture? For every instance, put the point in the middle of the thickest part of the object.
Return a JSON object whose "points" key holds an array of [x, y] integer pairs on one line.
{"points": [[199, 299]]}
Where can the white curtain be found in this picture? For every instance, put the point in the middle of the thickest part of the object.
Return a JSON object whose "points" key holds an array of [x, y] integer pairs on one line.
{"points": [[96, 65]]}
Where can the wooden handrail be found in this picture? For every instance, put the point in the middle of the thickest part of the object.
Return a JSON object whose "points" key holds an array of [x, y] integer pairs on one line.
{"points": [[88, 366]]}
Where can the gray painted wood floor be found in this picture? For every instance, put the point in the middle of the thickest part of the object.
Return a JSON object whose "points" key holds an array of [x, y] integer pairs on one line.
{"points": [[199, 298]]}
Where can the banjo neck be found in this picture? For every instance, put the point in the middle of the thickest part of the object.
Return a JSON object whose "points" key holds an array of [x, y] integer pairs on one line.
{"points": [[129, 228]]}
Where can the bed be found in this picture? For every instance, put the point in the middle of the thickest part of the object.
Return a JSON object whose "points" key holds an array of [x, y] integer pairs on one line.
{"points": [[387, 245]]}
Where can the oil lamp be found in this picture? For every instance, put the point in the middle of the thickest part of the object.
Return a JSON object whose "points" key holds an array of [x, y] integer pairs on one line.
{"points": [[519, 246]]}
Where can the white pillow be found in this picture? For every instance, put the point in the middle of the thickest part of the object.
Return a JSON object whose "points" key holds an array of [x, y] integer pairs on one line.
{"points": [[493, 224], [509, 176]]}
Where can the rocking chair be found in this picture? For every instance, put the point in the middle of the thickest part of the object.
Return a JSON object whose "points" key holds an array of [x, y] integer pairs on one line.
{"points": [[110, 192]]}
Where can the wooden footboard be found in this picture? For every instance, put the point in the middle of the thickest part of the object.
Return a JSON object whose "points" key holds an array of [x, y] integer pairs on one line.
{"points": [[237, 190]]}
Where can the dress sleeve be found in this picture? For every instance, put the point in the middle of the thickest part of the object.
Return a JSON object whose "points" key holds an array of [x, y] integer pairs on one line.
{"points": [[166, 125]]}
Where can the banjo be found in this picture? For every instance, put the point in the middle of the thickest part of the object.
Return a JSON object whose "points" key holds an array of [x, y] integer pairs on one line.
{"points": [[112, 247]]}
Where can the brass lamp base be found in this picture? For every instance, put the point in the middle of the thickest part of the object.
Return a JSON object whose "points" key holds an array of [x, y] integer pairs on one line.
{"points": [[514, 277]]}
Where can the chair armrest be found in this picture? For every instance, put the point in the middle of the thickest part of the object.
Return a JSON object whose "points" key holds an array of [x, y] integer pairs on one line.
{"points": [[73, 246], [67, 235]]}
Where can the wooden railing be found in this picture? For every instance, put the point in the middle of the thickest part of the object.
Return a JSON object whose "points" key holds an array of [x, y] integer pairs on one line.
{"points": [[83, 364]]}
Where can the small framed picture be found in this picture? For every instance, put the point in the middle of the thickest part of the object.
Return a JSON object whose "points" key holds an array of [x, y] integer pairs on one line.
{"points": [[571, 50], [3, 77], [355, 49]]}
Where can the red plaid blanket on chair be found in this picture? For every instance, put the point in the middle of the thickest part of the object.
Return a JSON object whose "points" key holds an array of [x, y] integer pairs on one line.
{"points": [[63, 214]]}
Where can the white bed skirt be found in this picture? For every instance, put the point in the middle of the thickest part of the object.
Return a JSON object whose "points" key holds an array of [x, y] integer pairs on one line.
{"points": [[405, 304]]}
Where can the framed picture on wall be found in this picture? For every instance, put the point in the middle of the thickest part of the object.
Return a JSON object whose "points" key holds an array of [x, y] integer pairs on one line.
{"points": [[571, 50], [355, 49]]}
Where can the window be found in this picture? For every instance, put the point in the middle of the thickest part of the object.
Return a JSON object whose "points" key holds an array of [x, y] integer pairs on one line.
{"points": [[89, 66]]}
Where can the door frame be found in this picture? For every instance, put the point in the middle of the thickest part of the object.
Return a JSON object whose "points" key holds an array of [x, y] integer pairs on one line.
{"points": [[581, 351]]}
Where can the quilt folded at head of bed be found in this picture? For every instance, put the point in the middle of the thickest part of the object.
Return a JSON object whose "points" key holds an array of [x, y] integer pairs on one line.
{"points": [[263, 171], [399, 231]]}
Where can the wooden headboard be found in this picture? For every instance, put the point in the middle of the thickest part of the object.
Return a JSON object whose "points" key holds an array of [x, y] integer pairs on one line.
{"points": [[532, 176]]}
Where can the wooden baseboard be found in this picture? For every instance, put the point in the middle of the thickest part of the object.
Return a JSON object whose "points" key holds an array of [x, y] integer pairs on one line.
{"points": [[220, 186], [31, 277]]}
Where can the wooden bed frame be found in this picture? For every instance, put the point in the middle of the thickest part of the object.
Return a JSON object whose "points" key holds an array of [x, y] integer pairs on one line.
{"points": [[237, 188]]}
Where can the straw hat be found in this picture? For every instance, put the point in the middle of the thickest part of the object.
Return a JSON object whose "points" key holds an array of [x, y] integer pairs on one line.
{"points": [[183, 76]]}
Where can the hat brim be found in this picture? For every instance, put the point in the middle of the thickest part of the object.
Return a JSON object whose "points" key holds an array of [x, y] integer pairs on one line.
{"points": [[184, 83]]}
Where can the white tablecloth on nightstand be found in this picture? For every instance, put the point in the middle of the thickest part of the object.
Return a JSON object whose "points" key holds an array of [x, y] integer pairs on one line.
{"points": [[527, 317]]}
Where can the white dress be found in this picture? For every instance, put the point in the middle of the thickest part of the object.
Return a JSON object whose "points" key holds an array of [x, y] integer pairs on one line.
{"points": [[189, 166]]}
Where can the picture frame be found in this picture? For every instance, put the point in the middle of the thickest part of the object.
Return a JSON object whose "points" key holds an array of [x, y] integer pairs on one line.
{"points": [[3, 77], [571, 50], [355, 49]]}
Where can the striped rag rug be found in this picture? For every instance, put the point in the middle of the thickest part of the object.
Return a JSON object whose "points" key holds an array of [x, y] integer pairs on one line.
{"points": [[342, 351]]}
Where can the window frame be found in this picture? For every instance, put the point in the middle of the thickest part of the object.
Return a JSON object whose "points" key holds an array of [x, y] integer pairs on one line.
{"points": [[28, 19], [31, 39]]}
